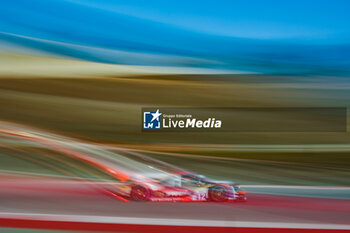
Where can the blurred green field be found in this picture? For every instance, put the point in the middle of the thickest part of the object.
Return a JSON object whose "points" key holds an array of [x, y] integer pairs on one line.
{"points": [[330, 159], [108, 109], [251, 171]]}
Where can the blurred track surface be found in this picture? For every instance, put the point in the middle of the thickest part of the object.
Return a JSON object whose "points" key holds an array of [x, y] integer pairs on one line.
{"points": [[56, 196]]}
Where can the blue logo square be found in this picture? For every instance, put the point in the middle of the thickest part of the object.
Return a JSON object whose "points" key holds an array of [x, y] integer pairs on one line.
{"points": [[151, 120]]}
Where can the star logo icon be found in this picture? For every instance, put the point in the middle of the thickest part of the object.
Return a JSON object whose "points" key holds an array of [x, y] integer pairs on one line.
{"points": [[151, 119], [156, 115]]}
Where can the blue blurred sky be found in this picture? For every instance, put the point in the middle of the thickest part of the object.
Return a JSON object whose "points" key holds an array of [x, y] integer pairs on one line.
{"points": [[268, 36], [271, 19]]}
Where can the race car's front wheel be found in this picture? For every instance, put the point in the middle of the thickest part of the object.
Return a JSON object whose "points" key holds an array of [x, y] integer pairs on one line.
{"points": [[140, 193], [218, 193]]}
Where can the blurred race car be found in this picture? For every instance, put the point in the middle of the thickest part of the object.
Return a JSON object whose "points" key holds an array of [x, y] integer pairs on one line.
{"points": [[139, 177], [127, 174], [181, 186]]}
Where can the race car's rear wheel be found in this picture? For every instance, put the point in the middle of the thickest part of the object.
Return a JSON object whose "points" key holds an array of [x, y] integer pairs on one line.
{"points": [[140, 193], [218, 193]]}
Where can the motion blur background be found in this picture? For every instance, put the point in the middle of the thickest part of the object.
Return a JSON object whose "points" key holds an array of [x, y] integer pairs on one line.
{"points": [[85, 68]]}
